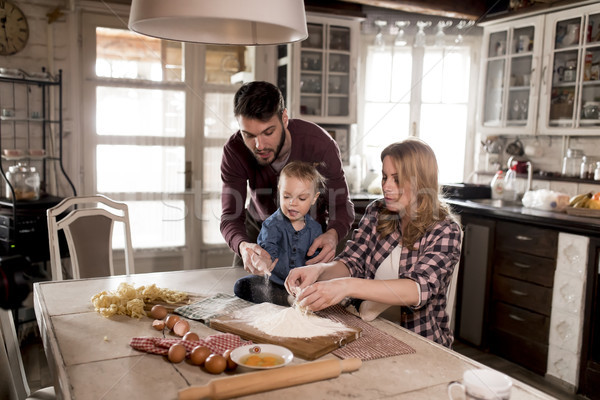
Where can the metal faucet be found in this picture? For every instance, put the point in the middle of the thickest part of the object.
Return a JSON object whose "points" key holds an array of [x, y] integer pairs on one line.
{"points": [[529, 176]]}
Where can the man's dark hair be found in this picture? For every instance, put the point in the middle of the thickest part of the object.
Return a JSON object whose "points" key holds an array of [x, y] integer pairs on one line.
{"points": [[258, 100]]}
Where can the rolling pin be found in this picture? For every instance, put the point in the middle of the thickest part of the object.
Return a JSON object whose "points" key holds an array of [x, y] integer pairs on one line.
{"points": [[262, 381]]}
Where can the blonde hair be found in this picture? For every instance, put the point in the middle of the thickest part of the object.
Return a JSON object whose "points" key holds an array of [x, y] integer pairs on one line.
{"points": [[304, 171], [415, 162]]}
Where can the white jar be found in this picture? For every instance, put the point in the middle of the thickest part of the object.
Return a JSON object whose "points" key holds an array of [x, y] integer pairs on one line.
{"points": [[597, 172]]}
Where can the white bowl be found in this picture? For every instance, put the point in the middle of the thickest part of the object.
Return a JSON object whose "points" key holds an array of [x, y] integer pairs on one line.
{"points": [[240, 353]]}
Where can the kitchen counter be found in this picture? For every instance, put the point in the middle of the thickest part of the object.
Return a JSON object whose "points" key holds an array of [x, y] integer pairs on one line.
{"points": [[588, 226]]}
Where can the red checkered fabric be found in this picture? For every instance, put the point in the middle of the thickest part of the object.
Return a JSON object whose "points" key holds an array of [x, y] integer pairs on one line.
{"points": [[216, 343]]}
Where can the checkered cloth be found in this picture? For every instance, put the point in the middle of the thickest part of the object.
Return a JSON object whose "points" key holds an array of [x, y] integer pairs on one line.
{"points": [[211, 307], [373, 343], [216, 343]]}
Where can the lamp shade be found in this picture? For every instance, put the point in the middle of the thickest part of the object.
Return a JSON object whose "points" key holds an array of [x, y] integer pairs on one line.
{"points": [[236, 22]]}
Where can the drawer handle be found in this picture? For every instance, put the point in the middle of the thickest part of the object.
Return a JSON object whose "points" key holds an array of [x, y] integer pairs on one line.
{"points": [[518, 292], [523, 238], [516, 317], [521, 265]]}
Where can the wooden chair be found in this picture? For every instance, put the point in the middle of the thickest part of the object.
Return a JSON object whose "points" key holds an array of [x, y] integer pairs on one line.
{"points": [[88, 230], [13, 382]]}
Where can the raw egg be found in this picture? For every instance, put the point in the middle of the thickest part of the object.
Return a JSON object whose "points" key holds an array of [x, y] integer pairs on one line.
{"points": [[176, 353], [158, 312], [191, 336], [231, 365], [215, 364], [181, 327], [199, 355], [172, 320]]}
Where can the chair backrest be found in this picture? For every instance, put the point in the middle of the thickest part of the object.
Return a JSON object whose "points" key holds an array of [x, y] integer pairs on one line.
{"points": [[88, 229], [13, 381], [451, 291]]}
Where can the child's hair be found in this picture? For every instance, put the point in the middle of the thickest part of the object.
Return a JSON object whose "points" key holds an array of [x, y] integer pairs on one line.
{"points": [[304, 171]]}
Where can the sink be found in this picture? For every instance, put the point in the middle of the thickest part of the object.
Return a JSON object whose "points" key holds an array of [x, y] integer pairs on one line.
{"points": [[497, 202]]}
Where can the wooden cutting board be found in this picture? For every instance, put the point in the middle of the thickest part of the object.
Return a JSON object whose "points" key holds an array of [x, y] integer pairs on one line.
{"points": [[306, 348]]}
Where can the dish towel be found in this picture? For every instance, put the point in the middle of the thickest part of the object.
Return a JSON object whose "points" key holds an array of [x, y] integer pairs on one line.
{"points": [[216, 343], [211, 307], [373, 343]]}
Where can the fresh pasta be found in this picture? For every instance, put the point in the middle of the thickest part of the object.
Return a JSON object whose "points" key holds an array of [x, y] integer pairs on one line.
{"points": [[128, 300]]}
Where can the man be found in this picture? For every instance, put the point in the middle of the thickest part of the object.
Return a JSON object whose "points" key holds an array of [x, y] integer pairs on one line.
{"points": [[252, 159]]}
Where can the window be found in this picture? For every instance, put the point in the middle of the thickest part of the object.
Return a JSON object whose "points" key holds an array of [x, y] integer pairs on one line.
{"points": [[422, 92], [155, 132]]}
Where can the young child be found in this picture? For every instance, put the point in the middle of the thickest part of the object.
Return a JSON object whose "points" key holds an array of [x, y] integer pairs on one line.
{"points": [[286, 235]]}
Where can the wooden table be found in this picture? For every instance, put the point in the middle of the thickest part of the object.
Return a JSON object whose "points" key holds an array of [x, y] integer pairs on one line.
{"points": [[90, 357]]}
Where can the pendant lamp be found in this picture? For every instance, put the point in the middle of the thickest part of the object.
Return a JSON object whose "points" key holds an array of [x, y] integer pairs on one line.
{"points": [[235, 22]]}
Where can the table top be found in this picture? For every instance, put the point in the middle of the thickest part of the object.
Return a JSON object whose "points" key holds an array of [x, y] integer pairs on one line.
{"points": [[90, 358]]}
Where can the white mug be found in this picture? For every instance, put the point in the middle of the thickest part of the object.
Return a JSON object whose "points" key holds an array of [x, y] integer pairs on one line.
{"points": [[483, 384]]}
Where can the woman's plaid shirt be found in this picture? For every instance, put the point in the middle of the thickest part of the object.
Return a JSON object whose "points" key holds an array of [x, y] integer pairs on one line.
{"points": [[430, 265]]}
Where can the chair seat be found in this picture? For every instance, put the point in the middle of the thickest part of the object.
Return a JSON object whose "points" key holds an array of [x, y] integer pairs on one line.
{"points": [[46, 393]]}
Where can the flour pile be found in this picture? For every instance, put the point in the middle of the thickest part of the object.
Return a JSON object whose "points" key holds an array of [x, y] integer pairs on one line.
{"points": [[288, 322]]}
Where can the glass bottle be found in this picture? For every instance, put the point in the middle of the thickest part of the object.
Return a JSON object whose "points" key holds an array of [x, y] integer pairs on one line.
{"points": [[572, 163]]}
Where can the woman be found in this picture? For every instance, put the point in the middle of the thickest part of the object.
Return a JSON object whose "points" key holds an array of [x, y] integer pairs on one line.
{"points": [[403, 252]]}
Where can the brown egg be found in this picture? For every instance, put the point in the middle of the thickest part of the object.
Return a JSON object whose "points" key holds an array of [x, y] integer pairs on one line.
{"points": [[171, 321], [181, 327], [176, 353], [215, 364], [191, 336], [231, 365], [158, 324], [199, 355], [158, 312]]}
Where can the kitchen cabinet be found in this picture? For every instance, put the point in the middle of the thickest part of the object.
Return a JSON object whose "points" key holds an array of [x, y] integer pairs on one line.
{"points": [[31, 140], [521, 301], [510, 72], [571, 83], [540, 74], [590, 360], [318, 75]]}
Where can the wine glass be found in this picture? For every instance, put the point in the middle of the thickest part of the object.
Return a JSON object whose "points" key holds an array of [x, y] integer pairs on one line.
{"points": [[400, 39], [420, 35], [440, 36], [462, 25], [379, 41]]}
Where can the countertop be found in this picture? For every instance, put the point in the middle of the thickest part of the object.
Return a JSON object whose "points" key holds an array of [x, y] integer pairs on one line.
{"points": [[556, 220], [90, 357]]}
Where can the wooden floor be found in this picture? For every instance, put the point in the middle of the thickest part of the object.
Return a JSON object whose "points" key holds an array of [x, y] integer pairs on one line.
{"points": [[38, 374], [515, 371]]}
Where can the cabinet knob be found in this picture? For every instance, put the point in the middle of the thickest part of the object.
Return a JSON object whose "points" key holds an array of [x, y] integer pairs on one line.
{"points": [[516, 317], [521, 265]]}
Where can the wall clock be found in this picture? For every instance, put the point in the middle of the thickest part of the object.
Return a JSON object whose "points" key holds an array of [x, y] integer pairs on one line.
{"points": [[14, 30]]}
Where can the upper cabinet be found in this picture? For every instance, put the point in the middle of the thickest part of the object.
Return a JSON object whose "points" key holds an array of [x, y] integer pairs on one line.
{"points": [[510, 74], [571, 83], [319, 80], [541, 74]]}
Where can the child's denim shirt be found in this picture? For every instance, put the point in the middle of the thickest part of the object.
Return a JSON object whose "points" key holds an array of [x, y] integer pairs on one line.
{"points": [[281, 240]]}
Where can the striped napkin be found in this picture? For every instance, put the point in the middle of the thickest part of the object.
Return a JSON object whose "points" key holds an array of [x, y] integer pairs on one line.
{"points": [[211, 307], [373, 343]]}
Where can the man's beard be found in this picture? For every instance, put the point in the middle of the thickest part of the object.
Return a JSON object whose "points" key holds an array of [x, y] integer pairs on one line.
{"points": [[277, 150]]}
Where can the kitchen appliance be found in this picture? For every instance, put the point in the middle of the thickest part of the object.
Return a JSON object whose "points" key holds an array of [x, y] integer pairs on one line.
{"points": [[466, 191]]}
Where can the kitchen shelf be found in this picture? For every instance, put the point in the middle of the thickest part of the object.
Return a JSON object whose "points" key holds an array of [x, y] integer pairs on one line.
{"points": [[34, 101]]}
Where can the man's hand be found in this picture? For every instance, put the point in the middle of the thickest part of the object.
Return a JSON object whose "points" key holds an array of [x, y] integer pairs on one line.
{"points": [[327, 242], [257, 260]]}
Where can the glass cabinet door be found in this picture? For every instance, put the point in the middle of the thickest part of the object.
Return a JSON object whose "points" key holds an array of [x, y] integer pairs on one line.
{"points": [[325, 71], [574, 93], [509, 93]]}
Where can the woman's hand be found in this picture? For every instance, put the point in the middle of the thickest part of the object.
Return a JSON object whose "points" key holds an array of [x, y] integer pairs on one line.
{"points": [[300, 278], [324, 294]]}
